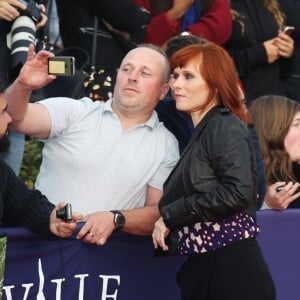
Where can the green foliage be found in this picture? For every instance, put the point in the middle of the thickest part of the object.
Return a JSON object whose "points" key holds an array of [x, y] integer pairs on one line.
{"points": [[31, 161]]}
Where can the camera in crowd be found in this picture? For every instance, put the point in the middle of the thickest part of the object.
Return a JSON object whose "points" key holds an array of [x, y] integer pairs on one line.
{"points": [[32, 10], [23, 32], [65, 213]]}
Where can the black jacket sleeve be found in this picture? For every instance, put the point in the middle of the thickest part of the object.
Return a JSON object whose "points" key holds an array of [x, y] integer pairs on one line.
{"points": [[21, 206]]}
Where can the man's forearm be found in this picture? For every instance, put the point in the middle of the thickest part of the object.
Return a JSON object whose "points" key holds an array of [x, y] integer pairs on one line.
{"points": [[140, 221], [17, 97]]}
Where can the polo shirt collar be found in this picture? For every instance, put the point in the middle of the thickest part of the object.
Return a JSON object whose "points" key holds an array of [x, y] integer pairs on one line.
{"points": [[152, 121]]}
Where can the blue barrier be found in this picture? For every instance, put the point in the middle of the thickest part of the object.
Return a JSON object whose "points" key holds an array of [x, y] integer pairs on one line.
{"points": [[280, 243], [125, 267]]}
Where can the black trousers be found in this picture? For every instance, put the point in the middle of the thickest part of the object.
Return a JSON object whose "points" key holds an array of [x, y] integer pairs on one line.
{"points": [[235, 272]]}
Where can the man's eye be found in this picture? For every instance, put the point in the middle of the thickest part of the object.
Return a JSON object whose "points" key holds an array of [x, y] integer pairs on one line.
{"points": [[126, 70], [145, 74]]}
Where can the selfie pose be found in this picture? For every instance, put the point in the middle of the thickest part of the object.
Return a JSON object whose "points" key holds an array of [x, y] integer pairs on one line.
{"points": [[208, 205]]}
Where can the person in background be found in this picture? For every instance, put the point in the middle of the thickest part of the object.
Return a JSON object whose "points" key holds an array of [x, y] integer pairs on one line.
{"points": [[109, 160], [49, 36], [262, 52], [260, 167], [291, 9], [54, 33], [77, 24], [208, 205], [10, 11], [209, 19], [277, 120], [21, 206], [179, 123]]}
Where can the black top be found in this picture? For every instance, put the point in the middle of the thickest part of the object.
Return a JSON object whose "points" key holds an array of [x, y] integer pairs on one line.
{"points": [[179, 123], [291, 9], [257, 75]]}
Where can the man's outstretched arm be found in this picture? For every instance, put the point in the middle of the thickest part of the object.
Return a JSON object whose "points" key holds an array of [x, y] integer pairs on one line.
{"points": [[31, 119]]}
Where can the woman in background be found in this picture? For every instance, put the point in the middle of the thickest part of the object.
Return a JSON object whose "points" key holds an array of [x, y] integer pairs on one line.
{"points": [[277, 121], [262, 52], [291, 10], [209, 19]]}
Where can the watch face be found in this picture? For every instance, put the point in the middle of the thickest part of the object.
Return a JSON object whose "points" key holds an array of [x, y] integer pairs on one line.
{"points": [[119, 220]]}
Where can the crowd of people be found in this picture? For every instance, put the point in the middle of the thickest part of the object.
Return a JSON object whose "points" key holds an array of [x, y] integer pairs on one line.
{"points": [[198, 128]]}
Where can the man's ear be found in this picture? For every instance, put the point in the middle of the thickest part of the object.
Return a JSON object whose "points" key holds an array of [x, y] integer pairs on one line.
{"points": [[164, 91]]}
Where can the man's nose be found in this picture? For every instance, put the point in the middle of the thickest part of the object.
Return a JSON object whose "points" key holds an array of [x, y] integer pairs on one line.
{"points": [[134, 74]]}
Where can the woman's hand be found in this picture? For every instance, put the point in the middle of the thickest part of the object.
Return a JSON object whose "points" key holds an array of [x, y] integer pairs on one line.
{"points": [[285, 45], [159, 234], [271, 50], [280, 199]]}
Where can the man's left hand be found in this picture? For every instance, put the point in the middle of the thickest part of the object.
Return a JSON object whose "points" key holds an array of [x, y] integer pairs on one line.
{"points": [[98, 228]]}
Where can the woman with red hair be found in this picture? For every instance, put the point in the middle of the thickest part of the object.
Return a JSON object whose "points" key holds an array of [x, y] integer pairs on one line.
{"points": [[208, 205]]}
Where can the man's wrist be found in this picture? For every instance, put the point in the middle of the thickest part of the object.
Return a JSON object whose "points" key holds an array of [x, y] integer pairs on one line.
{"points": [[22, 86], [119, 219]]}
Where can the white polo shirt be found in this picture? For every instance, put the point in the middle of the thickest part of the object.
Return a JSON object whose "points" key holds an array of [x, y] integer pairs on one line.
{"points": [[90, 162]]}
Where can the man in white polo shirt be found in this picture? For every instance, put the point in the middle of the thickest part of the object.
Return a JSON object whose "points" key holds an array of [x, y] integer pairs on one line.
{"points": [[108, 160]]}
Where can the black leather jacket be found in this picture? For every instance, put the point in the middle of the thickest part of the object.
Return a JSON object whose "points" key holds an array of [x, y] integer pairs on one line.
{"points": [[215, 176]]}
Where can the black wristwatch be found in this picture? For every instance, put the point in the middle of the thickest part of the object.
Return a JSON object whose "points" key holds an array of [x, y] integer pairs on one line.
{"points": [[119, 219]]}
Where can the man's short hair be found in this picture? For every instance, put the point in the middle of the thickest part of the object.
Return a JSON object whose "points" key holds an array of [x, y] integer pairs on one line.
{"points": [[163, 53]]}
